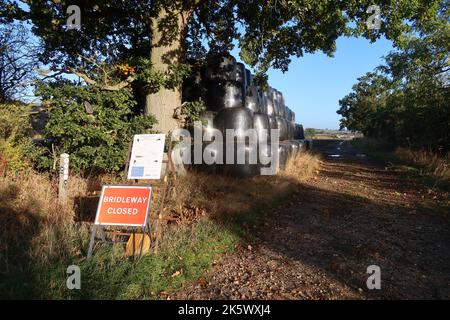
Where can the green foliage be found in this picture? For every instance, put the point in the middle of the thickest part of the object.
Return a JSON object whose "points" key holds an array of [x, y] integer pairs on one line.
{"points": [[14, 121], [192, 111], [268, 33], [310, 132], [407, 100], [15, 137], [154, 80], [18, 155], [96, 141]]}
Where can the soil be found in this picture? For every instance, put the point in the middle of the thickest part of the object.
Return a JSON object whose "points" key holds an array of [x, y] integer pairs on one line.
{"points": [[353, 214]]}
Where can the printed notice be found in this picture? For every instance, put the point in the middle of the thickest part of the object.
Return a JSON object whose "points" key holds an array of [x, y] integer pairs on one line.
{"points": [[146, 156]]}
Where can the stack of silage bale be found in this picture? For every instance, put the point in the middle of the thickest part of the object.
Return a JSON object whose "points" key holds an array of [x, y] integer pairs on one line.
{"points": [[234, 101]]}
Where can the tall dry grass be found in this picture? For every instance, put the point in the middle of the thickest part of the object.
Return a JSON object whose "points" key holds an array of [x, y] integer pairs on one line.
{"points": [[33, 225], [32, 218], [39, 236], [433, 163], [202, 194], [302, 166]]}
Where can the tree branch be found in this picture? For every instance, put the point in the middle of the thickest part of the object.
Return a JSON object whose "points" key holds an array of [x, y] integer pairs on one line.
{"points": [[115, 87]]}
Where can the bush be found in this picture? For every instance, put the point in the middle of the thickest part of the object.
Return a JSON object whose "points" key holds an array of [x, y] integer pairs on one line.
{"points": [[97, 140], [16, 147]]}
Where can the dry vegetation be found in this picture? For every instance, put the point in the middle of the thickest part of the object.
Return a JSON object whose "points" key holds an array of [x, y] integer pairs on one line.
{"points": [[433, 167], [429, 162], [38, 235], [213, 195]]}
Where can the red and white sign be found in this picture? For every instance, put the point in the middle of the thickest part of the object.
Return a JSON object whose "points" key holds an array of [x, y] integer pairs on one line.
{"points": [[124, 206]]}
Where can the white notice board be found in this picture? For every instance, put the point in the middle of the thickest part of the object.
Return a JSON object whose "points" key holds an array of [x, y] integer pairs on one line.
{"points": [[146, 156]]}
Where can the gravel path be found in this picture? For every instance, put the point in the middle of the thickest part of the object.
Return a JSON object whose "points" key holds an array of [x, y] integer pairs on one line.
{"points": [[351, 215]]}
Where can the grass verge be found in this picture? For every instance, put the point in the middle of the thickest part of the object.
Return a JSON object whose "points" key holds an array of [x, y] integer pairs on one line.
{"points": [[433, 170], [39, 238]]}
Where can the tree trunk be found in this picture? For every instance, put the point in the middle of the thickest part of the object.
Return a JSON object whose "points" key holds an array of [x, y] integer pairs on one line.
{"points": [[163, 103]]}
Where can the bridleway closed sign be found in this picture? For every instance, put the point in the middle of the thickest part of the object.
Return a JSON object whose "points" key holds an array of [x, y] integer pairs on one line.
{"points": [[124, 206]]}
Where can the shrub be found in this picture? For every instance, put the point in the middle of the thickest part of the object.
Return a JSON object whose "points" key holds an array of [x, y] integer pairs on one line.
{"points": [[97, 139], [16, 147]]}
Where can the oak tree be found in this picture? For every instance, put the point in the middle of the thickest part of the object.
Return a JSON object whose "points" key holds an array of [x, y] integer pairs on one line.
{"points": [[156, 37]]}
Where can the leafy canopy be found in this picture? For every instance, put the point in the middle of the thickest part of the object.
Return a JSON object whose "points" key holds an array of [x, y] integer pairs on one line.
{"points": [[407, 99], [268, 32]]}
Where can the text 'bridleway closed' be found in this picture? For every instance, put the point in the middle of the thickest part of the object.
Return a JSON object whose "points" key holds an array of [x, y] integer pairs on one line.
{"points": [[124, 205]]}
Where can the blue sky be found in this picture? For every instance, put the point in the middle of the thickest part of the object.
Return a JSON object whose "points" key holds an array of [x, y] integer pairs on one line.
{"points": [[314, 83]]}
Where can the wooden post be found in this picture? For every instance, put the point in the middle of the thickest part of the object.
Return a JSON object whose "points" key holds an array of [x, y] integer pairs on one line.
{"points": [[63, 178], [165, 190], [127, 163]]}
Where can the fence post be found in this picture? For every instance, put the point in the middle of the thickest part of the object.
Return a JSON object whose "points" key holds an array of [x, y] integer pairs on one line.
{"points": [[63, 178]]}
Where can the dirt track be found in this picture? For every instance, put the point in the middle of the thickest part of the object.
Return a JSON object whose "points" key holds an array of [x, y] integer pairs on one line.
{"points": [[353, 214]]}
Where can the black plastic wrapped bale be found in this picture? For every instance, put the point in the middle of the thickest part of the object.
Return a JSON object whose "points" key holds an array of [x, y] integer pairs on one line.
{"points": [[261, 123], [220, 67], [281, 106], [273, 124], [282, 99], [241, 78], [264, 156], [269, 103], [288, 114], [287, 135], [213, 157], [302, 145], [309, 144], [241, 75], [295, 147], [224, 94], [249, 78], [238, 119], [193, 89], [292, 129], [211, 160], [299, 132], [276, 106], [262, 101], [207, 118], [289, 130], [284, 151], [237, 169], [282, 127], [252, 101]]}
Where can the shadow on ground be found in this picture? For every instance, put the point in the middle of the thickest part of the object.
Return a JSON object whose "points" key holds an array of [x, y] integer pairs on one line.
{"points": [[319, 243]]}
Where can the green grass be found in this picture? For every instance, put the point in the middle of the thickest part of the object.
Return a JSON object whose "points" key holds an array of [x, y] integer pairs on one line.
{"points": [[186, 251], [108, 275]]}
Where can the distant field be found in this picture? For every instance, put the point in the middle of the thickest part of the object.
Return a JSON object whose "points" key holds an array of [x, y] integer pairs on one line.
{"points": [[333, 136], [325, 134]]}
